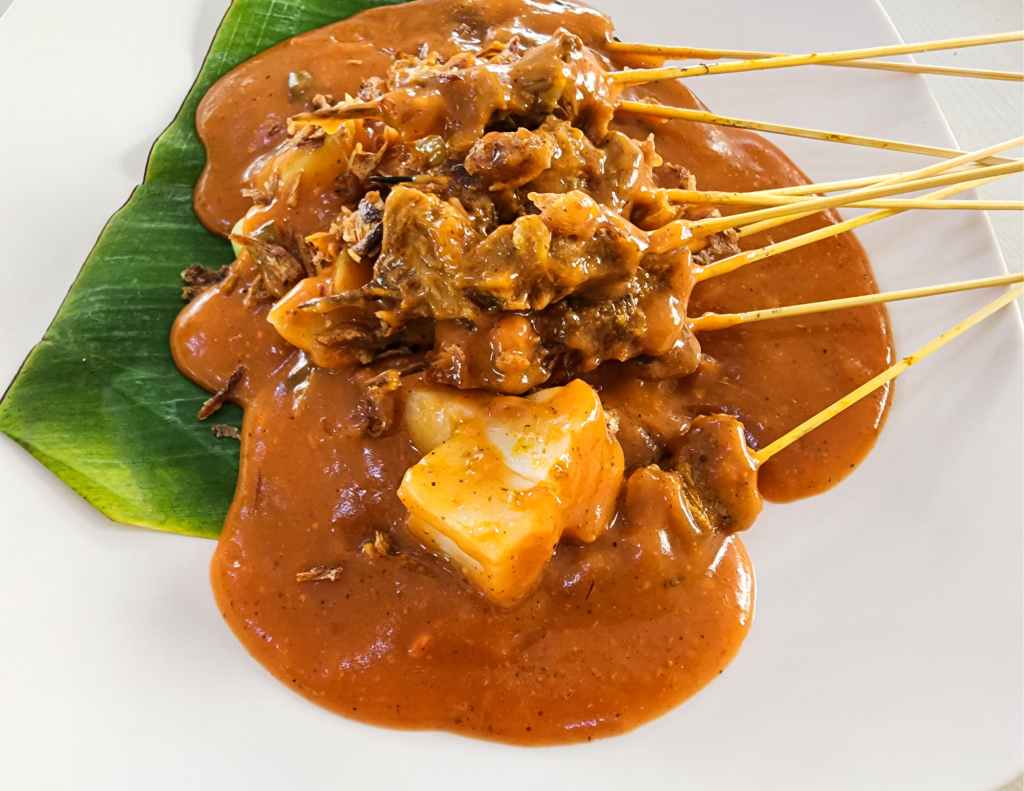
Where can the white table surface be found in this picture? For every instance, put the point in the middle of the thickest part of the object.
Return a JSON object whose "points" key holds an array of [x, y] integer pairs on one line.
{"points": [[979, 112]]}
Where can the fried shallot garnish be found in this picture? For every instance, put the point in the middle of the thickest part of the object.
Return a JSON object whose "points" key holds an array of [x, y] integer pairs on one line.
{"points": [[199, 278], [380, 547], [222, 430], [257, 294], [318, 573], [213, 403], [279, 267]]}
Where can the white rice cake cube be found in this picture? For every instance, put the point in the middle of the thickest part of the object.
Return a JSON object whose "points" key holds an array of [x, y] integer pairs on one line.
{"points": [[497, 496]]}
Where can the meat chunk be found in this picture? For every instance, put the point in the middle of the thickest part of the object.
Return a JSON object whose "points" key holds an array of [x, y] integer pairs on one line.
{"points": [[719, 474], [657, 499], [418, 274], [574, 246], [513, 352], [626, 176], [454, 102], [462, 98], [649, 320], [617, 172], [503, 353], [434, 264], [710, 486], [562, 75], [506, 160], [280, 269], [576, 162]]}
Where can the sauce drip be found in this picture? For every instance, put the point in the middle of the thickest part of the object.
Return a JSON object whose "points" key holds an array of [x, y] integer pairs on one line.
{"points": [[617, 632]]}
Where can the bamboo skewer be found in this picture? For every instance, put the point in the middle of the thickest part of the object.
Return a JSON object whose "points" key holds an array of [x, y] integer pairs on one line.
{"points": [[757, 199], [764, 225], [832, 186], [938, 167], [670, 235], [968, 161], [642, 76], [902, 178], [715, 224], [734, 262], [697, 53], [701, 116], [719, 321], [761, 456]]}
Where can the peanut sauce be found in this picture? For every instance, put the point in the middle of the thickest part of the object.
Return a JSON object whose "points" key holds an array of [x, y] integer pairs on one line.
{"points": [[617, 632]]}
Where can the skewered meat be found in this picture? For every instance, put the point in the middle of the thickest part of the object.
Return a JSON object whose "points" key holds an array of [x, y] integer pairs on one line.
{"points": [[461, 98], [523, 238], [710, 484]]}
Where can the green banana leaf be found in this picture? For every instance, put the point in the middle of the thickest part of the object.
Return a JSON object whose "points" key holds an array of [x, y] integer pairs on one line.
{"points": [[99, 400]]}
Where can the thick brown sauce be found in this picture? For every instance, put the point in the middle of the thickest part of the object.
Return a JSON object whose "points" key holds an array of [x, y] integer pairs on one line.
{"points": [[617, 632]]}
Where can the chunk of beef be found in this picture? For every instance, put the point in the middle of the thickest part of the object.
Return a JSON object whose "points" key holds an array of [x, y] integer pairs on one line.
{"points": [[573, 246], [418, 273], [434, 264], [617, 173], [462, 98], [503, 353], [719, 473], [576, 162], [562, 76], [510, 159], [514, 352], [709, 486], [647, 322]]}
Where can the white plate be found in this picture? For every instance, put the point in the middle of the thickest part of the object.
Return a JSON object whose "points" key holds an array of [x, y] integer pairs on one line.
{"points": [[886, 652]]}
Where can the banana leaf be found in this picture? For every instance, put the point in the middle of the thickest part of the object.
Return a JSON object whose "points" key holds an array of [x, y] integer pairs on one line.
{"points": [[99, 400]]}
